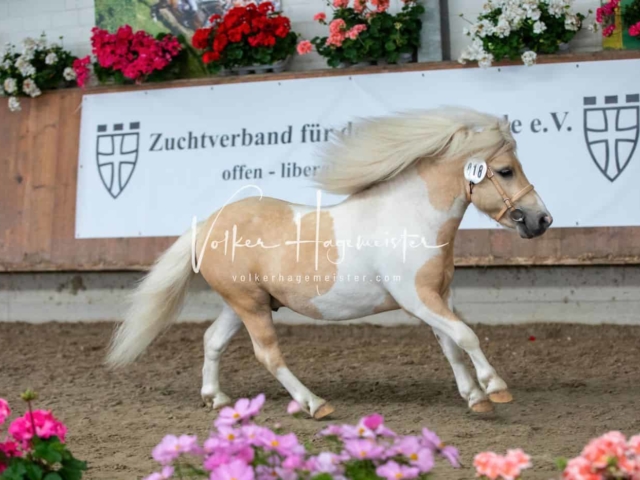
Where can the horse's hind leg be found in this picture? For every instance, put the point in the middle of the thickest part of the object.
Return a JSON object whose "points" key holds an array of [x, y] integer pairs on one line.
{"points": [[259, 324], [216, 339]]}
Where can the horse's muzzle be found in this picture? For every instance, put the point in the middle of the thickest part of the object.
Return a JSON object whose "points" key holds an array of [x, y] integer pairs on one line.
{"points": [[533, 224]]}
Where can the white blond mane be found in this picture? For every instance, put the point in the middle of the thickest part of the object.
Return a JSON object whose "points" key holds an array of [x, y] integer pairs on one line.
{"points": [[380, 148]]}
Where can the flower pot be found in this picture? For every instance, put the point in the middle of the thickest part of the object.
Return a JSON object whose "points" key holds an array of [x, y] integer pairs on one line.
{"points": [[277, 67], [403, 58]]}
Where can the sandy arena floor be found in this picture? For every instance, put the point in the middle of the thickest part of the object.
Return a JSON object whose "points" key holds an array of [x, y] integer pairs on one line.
{"points": [[570, 384]]}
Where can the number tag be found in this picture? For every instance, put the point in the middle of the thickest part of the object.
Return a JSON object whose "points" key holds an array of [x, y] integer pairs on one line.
{"points": [[475, 170]]}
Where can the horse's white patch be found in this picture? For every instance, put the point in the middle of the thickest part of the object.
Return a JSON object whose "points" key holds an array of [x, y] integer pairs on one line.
{"points": [[475, 170]]}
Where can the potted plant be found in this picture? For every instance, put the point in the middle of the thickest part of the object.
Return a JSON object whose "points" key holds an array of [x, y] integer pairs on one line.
{"points": [[37, 67], [606, 17], [367, 33], [523, 29], [248, 39], [34, 446], [133, 57]]}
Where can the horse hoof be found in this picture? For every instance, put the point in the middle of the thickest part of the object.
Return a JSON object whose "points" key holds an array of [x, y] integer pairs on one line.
{"points": [[216, 402], [324, 410], [483, 406], [501, 397]]}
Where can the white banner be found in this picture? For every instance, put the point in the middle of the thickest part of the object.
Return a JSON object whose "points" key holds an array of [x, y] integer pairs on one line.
{"points": [[151, 160]]}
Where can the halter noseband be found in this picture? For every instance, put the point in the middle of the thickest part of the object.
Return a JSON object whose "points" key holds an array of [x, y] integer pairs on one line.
{"points": [[514, 213]]}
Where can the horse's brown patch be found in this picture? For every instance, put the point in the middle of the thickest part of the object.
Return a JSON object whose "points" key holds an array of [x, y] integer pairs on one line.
{"points": [[270, 268], [387, 304], [434, 277], [301, 266], [445, 181]]}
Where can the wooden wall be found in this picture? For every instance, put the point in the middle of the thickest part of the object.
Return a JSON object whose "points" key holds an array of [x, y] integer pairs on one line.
{"points": [[38, 174]]}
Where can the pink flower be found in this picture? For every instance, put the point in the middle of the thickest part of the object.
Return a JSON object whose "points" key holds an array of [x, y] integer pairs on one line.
{"points": [[320, 17], [392, 471], [166, 473], [508, 467], [418, 455], [81, 69], [171, 447], [337, 32], [432, 441], [363, 449], [235, 470], [340, 3], [634, 445], [634, 30], [359, 5], [44, 424], [243, 410], [218, 458], [285, 445], [609, 447], [580, 469], [608, 31], [332, 431], [354, 33], [381, 5], [303, 48], [326, 462], [337, 26], [5, 411], [372, 421], [293, 462]]}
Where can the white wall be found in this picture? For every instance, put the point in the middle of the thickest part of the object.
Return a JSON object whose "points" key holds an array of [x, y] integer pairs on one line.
{"points": [[74, 18], [511, 295]]}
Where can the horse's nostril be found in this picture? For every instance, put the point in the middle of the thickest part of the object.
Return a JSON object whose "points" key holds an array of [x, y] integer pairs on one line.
{"points": [[545, 221]]}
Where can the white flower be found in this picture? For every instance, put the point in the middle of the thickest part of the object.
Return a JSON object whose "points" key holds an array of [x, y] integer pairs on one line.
{"points": [[14, 104], [30, 88], [533, 13], [539, 27], [503, 29], [593, 27], [29, 47], [69, 74], [487, 8], [529, 58], [485, 62], [41, 43], [476, 52], [571, 22], [51, 59], [10, 85], [465, 31], [25, 68]]}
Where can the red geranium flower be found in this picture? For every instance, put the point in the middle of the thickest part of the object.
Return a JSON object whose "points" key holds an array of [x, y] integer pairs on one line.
{"points": [[200, 39], [209, 57]]}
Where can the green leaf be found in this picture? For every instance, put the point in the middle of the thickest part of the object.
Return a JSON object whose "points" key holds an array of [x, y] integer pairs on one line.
{"points": [[390, 46], [561, 463], [53, 476], [48, 451], [34, 472]]}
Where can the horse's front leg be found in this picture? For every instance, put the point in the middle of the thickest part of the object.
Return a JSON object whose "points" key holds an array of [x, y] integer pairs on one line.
{"points": [[454, 334]]}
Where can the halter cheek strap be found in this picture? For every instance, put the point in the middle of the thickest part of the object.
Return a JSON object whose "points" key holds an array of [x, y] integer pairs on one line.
{"points": [[508, 201]]}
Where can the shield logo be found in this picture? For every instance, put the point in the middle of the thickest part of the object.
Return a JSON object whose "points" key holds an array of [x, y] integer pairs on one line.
{"points": [[117, 155], [611, 132]]}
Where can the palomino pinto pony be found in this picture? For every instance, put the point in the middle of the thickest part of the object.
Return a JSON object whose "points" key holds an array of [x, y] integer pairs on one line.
{"points": [[410, 179]]}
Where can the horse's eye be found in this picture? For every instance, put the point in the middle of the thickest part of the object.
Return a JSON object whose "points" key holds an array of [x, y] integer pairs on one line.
{"points": [[506, 173]]}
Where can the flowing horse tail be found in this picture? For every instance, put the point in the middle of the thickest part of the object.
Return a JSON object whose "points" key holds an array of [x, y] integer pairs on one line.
{"points": [[156, 303]]}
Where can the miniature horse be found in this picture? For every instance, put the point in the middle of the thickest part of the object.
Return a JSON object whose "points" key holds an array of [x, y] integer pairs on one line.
{"points": [[388, 246]]}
